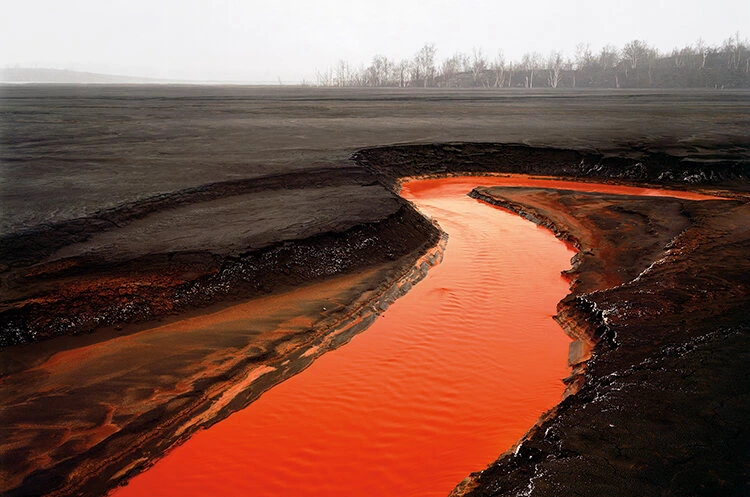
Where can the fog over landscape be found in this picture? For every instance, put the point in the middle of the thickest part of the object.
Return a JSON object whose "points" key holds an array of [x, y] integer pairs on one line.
{"points": [[295, 41], [374, 247]]}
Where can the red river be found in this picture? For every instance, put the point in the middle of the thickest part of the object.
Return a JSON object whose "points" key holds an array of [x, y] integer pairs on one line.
{"points": [[450, 376]]}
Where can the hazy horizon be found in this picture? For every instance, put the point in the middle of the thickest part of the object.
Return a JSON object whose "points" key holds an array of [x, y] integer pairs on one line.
{"points": [[290, 41]]}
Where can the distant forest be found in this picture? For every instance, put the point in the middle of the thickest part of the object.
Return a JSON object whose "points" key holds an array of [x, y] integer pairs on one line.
{"points": [[636, 65]]}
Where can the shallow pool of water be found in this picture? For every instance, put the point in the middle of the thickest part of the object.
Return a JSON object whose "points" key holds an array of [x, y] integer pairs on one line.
{"points": [[450, 376]]}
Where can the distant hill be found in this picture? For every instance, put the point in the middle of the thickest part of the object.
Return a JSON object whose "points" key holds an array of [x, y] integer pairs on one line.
{"points": [[63, 76]]}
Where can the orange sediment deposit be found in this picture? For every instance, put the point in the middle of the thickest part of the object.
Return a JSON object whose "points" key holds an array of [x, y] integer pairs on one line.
{"points": [[461, 182], [452, 373], [90, 397], [457, 370], [659, 301]]}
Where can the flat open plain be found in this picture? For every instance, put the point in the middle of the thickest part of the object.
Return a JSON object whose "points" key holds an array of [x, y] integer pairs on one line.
{"points": [[126, 208], [70, 151]]}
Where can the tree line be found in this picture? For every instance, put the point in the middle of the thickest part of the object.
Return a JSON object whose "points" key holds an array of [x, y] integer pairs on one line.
{"points": [[635, 65]]}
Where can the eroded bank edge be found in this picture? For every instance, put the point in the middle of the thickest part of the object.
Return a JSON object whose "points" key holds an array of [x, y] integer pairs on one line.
{"points": [[585, 328], [583, 318], [264, 378], [120, 457], [390, 163], [41, 318], [579, 318]]}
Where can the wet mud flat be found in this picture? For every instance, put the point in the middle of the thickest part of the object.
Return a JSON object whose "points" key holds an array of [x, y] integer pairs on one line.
{"points": [[83, 413], [127, 209], [68, 152], [360, 420], [658, 400], [128, 204]]}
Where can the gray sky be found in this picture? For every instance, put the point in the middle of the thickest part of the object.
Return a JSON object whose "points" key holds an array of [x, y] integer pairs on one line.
{"points": [[291, 39]]}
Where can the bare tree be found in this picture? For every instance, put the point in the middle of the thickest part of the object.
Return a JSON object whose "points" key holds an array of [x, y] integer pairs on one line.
{"points": [[529, 64], [734, 47], [607, 62], [568, 67], [583, 57], [342, 73], [478, 66], [554, 69], [415, 73], [498, 70], [400, 72], [324, 78], [378, 72], [450, 68], [651, 57], [510, 75], [703, 50], [682, 57], [608, 57], [584, 60], [358, 77], [424, 64], [635, 52]]}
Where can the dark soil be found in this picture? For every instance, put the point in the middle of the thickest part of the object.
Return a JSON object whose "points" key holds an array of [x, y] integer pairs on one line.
{"points": [[123, 204], [130, 264], [661, 407], [126, 205], [68, 152], [391, 163]]}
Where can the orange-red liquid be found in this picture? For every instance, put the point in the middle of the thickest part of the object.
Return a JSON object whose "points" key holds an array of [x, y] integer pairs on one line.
{"points": [[448, 378]]}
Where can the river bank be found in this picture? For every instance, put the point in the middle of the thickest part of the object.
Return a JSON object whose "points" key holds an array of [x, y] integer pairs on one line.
{"points": [[659, 405], [361, 419], [320, 248], [81, 417]]}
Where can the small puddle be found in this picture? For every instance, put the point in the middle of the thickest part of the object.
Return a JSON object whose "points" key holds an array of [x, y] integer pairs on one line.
{"points": [[449, 377]]}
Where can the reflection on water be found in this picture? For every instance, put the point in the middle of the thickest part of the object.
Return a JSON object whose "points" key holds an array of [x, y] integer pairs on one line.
{"points": [[448, 378]]}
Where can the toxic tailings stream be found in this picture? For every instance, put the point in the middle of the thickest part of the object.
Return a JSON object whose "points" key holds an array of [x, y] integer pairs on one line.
{"points": [[450, 376]]}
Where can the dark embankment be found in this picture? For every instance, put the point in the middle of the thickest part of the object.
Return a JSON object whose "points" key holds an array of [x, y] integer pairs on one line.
{"points": [[83, 414], [216, 243], [237, 239], [642, 166], [660, 292], [123, 204], [677, 330], [661, 406]]}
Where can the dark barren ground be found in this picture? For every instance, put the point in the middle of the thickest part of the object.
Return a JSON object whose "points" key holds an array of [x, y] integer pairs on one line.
{"points": [[661, 408], [68, 152], [126, 205]]}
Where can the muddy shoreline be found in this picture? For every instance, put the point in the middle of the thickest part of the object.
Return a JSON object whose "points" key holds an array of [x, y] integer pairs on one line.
{"points": [[643, 167], [66, 278], [95, 286], [158, 425], [603, 308], [658, 406]]}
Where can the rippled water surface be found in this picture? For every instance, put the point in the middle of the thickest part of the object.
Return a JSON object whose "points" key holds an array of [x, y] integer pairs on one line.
{"points": [[450, 376]]}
